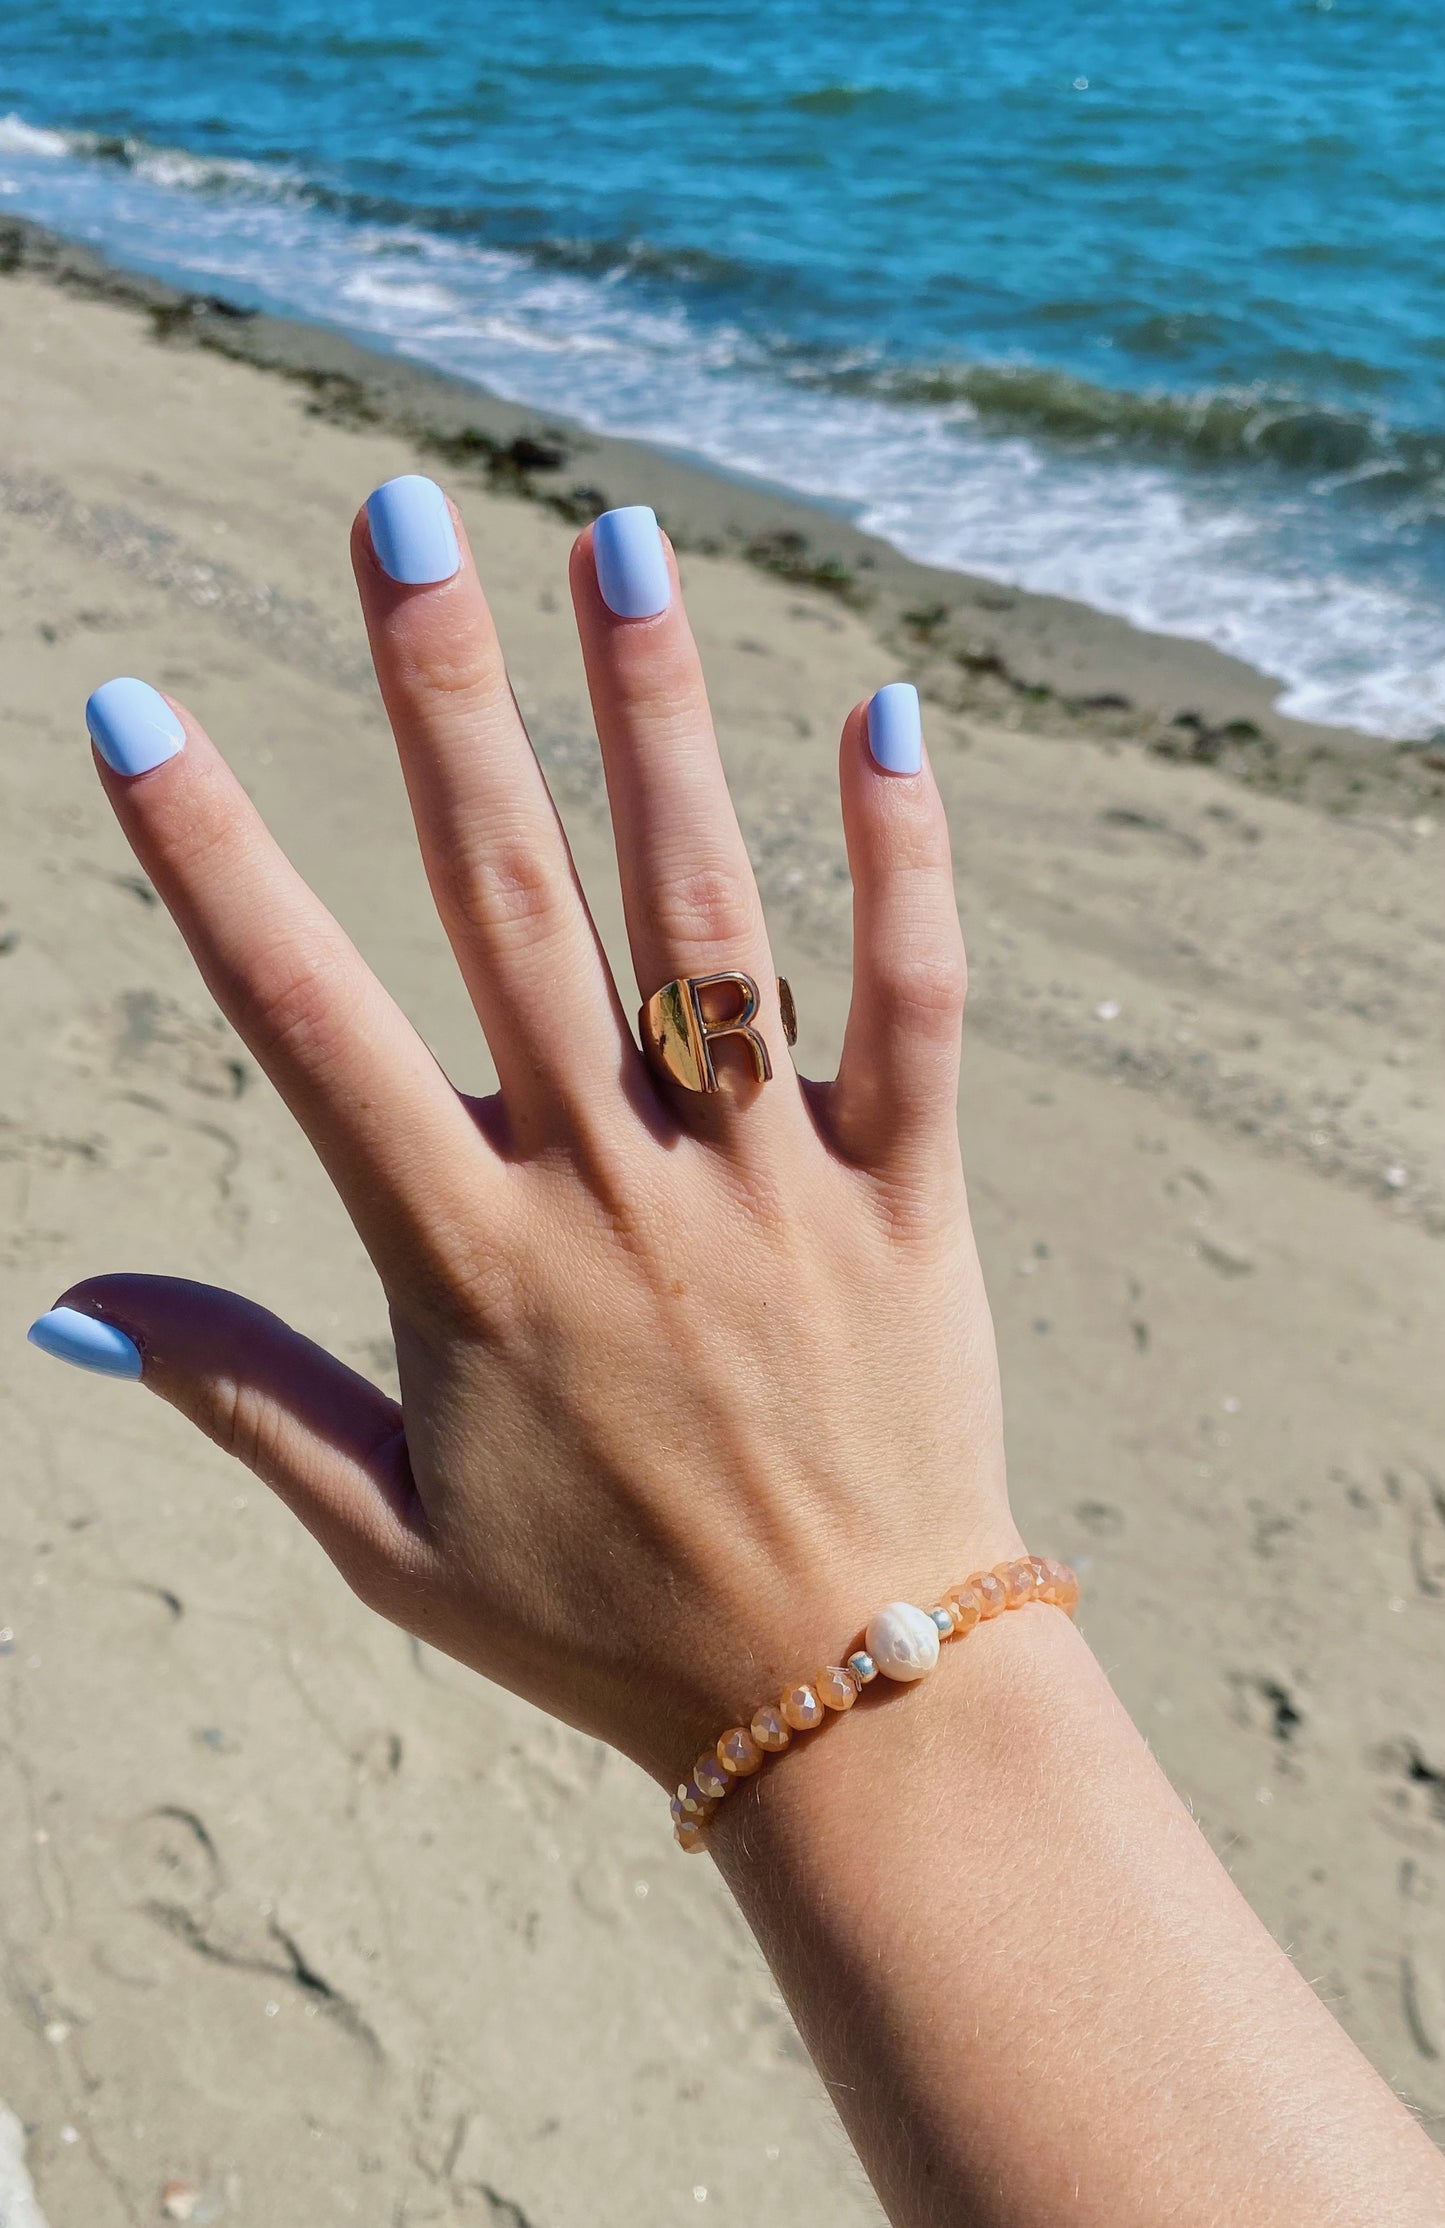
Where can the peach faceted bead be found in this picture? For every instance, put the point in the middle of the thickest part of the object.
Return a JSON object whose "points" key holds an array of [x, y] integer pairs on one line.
{"points": [[738, 1752], [770, 1728], [801, 1707], [992, 1599], [838, 1687], [709, 1777], [965, 1608], [688, 1835], [1020, 1584]]}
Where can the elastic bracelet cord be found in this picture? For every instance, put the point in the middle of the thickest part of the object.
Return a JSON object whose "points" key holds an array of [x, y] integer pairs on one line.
{"points": [[902, 1643]]}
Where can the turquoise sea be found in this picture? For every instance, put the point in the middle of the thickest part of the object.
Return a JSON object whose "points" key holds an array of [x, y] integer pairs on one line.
{"points": [[1141, 301]]}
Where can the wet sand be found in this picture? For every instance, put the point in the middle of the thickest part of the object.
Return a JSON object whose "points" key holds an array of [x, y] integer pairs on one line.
{"points": [[306, 1921]]}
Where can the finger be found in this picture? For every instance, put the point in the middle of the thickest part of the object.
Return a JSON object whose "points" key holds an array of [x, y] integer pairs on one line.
{"points": [[326, 1441], [495, 853], [397, 1141], [895, 1098], [691, 900]]}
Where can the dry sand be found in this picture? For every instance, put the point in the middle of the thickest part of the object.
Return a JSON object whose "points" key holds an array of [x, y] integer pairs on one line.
{"points": [[304, 1919]]}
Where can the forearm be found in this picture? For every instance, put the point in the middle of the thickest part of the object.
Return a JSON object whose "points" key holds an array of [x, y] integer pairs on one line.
{"points": [[1035, 1995]]}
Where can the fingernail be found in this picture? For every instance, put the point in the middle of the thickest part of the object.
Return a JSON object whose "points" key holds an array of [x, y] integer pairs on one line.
{"points": [[132, 727], [412, 531], [895, 729], [84, 1340], [631, 562]]}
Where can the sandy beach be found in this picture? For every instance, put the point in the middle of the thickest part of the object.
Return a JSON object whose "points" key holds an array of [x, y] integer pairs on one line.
{"points": [[301, 1923]]}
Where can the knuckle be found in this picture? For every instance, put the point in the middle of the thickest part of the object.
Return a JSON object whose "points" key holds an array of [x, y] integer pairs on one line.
{"points": [[657, 674], [243, 1422], [707, 910], [457, 668], [927, 986], [907, 1196], [506, 884], [943, 980], [293, 1007]]}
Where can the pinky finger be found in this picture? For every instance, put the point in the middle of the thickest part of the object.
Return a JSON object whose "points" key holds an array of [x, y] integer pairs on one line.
{"points": [[893, 1105], [326, 1441]]}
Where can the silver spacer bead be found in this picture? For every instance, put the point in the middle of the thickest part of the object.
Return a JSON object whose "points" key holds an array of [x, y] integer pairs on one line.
{"points": [[944, 1622], [863, 1666]]}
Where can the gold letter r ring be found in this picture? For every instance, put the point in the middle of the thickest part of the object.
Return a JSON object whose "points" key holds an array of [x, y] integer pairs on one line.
{"points": [[675, 1028]]}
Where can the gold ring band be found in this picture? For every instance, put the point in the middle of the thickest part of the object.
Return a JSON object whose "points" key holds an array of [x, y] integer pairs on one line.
{"points": [[675, 1029]]}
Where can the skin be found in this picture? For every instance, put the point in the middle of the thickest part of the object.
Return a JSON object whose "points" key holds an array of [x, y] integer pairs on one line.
{"points": [[687, 1387]]}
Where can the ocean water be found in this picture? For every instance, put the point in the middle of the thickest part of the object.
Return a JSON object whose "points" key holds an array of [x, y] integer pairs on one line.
{"points": [[1138, 301]]}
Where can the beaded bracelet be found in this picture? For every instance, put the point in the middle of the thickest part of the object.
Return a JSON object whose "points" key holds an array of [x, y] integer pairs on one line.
{"points": [[901, 1643]]}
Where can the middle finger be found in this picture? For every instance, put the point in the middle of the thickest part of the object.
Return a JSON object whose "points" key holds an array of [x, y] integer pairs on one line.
{"points": [[688, 889]]}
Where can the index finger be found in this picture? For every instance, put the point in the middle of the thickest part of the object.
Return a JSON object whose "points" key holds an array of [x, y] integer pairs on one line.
{"points": [[395, 1138]]}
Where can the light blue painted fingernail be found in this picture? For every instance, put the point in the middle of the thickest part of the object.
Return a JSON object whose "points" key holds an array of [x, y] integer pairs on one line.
{"points": [[133, 728], [631, 562], [84, 1340], [412, 531], [895, 729]]}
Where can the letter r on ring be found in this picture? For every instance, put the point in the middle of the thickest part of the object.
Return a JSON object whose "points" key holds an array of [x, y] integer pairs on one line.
{"points": [[681, 1034]]}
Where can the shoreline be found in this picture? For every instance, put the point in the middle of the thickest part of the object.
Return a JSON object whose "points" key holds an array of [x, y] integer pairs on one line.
{"points": [[1011, 656]]}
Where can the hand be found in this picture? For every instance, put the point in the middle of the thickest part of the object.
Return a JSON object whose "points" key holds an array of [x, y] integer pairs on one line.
{"points": [[689, 1384]]}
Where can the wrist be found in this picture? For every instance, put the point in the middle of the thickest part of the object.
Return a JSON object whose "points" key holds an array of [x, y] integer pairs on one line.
{"points": [[768, 1629], [995, 1702]]}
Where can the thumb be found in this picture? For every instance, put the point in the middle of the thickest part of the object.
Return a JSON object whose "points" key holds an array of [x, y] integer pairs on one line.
{"points": [[326, 1441]]}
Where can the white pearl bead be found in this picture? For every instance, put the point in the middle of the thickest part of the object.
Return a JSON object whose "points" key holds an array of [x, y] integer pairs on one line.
{"points": [[903, 1641]]}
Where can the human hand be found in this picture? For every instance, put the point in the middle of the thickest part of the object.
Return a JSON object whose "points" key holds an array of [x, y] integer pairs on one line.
{"points": [[689, 1384]]}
